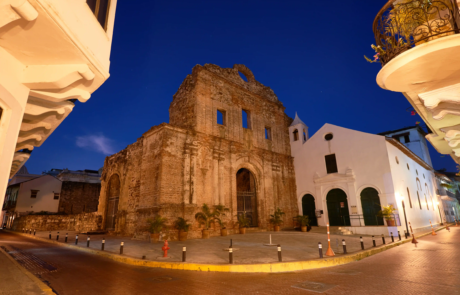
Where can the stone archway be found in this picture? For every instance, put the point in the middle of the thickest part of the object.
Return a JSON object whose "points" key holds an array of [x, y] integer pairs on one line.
{"points": [[309, 208], [113, 196], [246, 195], [337, 208], [370, 202]]}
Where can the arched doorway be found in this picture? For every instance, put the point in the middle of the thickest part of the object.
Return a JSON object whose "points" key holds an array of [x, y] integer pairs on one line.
{"points": [[246, 195], [370, 202], [113, 196], [337, 207], [309, 208]]}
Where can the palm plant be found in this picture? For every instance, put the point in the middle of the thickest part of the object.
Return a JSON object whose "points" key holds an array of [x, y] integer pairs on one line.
{"points": [[276, 218], [218, 212], [156, 224], [205, 216], [243, 221], [182, 224], [387, 212], [303, 220]]}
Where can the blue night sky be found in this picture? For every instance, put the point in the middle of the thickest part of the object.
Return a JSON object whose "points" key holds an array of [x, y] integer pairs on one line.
{"points": [[309, 52]]}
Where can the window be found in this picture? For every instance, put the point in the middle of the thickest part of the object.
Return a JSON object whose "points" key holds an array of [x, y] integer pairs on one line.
{"points": [[331, 164], [397, 161], [246, 119], [100, 8], [401, 137], [408, 195], [304, 135], [33, 194], [56, 196], [420, 204], [416, 171], [296, 135], [268, 133], [328, 136], [426, 201], [408, 167], [221, 117]]}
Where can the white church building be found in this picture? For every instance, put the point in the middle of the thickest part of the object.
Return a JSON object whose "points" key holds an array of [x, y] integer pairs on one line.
{"points": [[344, 177]]}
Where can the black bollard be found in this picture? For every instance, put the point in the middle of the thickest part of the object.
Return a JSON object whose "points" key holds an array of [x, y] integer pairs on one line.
{"points": [[362, 243], [184, 253], [280, 259], [103, 244], [230, 255], [57, 237], [76, 240], [373, 241], [30, 231], [383, 239], [23, 230], [392, 238], [34, 232], [344, 246], [143, 257], [50, 235], [399, 235], [121, 248], [320, 247], [87, 241], [66, 236]]}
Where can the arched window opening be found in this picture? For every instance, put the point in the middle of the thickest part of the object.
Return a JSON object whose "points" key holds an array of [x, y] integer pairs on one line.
{"points": [[296, 135], [113, 196], [408, 195], [426, 201], [419, 203]]}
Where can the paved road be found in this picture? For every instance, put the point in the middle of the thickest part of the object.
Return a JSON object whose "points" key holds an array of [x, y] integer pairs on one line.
{"points": [[431, 268]]}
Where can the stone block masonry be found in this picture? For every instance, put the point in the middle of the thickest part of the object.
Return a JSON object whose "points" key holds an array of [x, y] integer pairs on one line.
{"points": [[78, 222], [173, 169]]}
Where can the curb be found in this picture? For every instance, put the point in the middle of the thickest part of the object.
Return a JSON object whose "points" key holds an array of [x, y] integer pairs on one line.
{"points": [[274, 267], [44, 287]]}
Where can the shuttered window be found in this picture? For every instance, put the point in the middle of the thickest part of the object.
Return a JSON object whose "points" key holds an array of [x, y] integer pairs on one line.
{"points": [[331, 164]]}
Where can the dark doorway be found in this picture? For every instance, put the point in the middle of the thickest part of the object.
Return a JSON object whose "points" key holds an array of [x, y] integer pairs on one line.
{"points": [[371, 206], [308, 208], [246, 195], [113, 196], [337, 207]]}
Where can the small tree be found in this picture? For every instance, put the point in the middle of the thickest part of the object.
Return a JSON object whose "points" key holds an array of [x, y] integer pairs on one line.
{"points": [[243, 220], [156, 224], [276, 218], [182, 224], [303, 220], [205, 216], [219, 211], [387, 212]]}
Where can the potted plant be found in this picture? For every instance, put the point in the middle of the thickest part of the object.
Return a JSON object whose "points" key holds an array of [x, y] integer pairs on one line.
{"points": [[155, 226], [183, 226], [205, 217], [304, 222], [388, 213], [243, 222], [276, 219], [219, 211]]}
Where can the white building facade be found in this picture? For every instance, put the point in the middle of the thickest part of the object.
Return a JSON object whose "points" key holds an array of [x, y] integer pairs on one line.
{"points": [[345, 177]]}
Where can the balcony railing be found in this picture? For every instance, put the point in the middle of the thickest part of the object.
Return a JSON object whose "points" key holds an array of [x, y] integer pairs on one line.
{"points": [[403, 24]]}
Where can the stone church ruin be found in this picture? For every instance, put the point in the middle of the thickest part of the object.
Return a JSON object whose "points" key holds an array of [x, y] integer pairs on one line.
{"points": [[227, 143]]}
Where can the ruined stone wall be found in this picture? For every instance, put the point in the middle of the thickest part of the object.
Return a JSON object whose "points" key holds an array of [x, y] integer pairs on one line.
{"points": [[173, 169], [78, 222], [79, 197]]}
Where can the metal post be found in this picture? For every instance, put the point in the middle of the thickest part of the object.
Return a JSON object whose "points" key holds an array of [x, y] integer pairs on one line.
{"points": [[57, 237], [87, 241], [230, 255], [344, 246], [280, 259], [399, 235], [103, 244], [121, 248], [30, 231], [373, 241], [362, 243], [405, 218], [383, 239], [184, 253], [392, 238], [320, 250], [66, 236], [76, 240], [50, 235]]}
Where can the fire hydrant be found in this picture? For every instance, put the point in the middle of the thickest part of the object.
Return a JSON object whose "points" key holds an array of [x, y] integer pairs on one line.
{"points": [[165, 248]]}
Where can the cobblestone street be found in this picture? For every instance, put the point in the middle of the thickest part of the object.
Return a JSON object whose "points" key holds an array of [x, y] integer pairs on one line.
{"points": [[430, 268]]}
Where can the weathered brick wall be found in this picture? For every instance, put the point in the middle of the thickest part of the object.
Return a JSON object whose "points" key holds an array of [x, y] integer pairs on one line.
{"points": [[78, 222], [79, 197], [173, 169]]}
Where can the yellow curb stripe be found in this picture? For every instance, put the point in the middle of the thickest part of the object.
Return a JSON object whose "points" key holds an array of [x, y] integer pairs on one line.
{"points": [[44, 287], [274, 267]]}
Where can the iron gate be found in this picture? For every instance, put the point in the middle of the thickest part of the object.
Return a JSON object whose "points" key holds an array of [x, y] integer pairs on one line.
{"points": [[247, 204], [112, 209]]}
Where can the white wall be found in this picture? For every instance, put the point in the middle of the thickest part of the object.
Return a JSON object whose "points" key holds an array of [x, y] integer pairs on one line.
{"points": [[47, 186], [404, 178], [366, 156]]}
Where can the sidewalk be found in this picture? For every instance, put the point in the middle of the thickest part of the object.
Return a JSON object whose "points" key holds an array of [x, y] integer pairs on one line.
{"points": [[14, 279], [247, 249]]}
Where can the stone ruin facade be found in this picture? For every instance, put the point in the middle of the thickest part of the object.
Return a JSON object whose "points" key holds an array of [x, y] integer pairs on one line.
{"points": [[205, 155]]}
